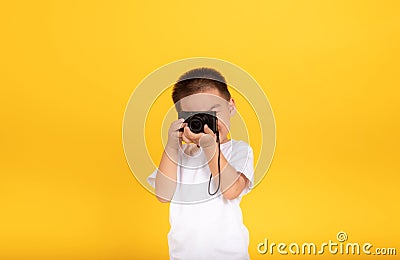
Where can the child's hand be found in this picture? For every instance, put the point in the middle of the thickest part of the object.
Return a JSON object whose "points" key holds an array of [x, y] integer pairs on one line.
{"points": [[174, 135], [201, 139]]}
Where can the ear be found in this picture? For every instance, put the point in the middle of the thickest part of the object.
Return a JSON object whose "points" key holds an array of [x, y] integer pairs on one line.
{"points": [[232, 107]]}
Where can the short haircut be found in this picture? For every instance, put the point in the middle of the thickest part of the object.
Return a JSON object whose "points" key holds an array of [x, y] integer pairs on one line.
{"points": [[196, 81]]}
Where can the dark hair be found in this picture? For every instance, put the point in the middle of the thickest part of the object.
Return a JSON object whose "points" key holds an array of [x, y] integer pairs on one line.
{"points": [[197, 80]]}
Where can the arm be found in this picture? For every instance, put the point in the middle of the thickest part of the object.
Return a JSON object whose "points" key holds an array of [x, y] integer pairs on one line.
{"points": [[232, 181], [165, 183], [166, 177]]}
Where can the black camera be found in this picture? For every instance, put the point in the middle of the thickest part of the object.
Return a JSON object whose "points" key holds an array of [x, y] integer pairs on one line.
{"points": [[197, 119]]}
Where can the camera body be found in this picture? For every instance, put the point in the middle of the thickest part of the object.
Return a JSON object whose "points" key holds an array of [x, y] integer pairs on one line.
{"points": [[197, 119]]}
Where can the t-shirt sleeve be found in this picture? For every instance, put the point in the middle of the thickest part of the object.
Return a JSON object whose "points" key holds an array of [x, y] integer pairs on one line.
{"points": [[151, 179], [242, 160]]}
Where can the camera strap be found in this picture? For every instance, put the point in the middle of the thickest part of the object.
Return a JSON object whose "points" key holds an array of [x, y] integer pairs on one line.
{"points": [[219, 167]]}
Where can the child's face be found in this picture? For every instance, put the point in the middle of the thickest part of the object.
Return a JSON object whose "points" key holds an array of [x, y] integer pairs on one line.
{"points": [[211, 100]]}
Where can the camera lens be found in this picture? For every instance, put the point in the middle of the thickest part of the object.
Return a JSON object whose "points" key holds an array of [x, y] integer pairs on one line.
{"points": [[196, 125]]}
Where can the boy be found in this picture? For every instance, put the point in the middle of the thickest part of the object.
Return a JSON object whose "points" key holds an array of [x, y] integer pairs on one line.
{"points": [[203, 225]]}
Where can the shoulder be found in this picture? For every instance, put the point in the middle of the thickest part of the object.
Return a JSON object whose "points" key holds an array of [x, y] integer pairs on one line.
{"points": [[239, 142], [237, 148], [240, 145]]}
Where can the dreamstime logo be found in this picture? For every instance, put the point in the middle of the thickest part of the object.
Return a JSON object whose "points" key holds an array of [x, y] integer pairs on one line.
{"points": [[341, 236], [332, 247]]}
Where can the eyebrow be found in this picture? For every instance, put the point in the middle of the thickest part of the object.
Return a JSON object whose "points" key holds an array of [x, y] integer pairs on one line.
{"points": [[214, 106]]}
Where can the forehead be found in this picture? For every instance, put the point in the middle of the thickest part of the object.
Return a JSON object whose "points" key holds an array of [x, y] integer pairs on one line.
{"points": [[203, 101]]}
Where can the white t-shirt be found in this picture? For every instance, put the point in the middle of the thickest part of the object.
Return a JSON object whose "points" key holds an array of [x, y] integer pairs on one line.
{"points": [[205, 226]]}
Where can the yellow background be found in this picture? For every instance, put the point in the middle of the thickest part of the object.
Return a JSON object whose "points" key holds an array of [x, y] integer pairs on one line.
{"points": [[329, 68]]}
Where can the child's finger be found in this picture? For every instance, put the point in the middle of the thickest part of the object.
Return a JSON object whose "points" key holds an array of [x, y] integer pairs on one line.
{"points": [[180, 125], [185, 139], [181, 122], [192, 135], [187, 132], [208, 130]]}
